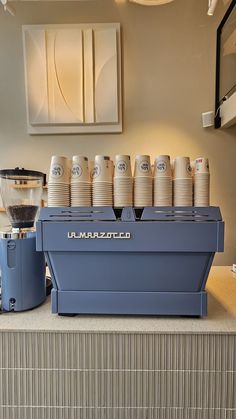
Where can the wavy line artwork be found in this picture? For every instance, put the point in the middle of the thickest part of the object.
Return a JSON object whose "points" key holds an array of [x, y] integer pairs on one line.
{"points": [[73, 78], [58, 81], [37, 92], [68, 65]]}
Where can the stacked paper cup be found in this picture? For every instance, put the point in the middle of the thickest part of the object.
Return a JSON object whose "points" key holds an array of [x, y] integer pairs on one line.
{"points": [[162, 182], [142, 182], [123, 182], [91, 167], [102, 181], [202, 183], [192, 164], [183, 183], [80, 182], [59, 182]]}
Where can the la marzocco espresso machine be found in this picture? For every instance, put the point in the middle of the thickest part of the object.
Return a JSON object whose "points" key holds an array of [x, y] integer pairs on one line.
{"points": [[23, 269], [141, 261]]}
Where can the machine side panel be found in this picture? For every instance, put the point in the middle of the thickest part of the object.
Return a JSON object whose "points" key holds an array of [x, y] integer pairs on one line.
{"points": [[207, 270], [39, 236], [221, 233]]}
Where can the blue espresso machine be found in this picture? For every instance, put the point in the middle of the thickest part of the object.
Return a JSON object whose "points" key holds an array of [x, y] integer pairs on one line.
{"points": [[139, 261], [22, 268]]}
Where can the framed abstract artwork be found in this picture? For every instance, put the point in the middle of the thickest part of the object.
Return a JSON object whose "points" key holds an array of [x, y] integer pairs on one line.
{"points": [[73, 78]]}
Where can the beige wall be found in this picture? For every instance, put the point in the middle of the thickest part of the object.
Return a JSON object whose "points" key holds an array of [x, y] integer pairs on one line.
{"points": [[168, 74]]}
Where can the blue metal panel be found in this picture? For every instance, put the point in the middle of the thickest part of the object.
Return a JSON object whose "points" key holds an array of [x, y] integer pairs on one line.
{"points": [[77, 214], [181, 214], [54, 301], [220, 238], [144, 236], [52, 271], [23, 276], [39, 237], [129, 271], [135, 303], [131, 214]]}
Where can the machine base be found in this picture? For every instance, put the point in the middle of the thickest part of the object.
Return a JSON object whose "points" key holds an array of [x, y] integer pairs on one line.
{"points": [[129, 303]]}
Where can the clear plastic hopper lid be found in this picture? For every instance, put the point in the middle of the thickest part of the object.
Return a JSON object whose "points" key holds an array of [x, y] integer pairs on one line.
{"points": [[21, 192]]}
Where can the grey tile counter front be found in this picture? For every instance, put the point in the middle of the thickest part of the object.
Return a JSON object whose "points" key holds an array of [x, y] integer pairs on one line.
{"points": [[121, 367]]}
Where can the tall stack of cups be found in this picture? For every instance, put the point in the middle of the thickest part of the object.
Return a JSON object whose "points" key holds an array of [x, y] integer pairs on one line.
{"points": [[123, 182], [142, 182], [183, 183], [202, 183], [162, 182], [80, 182], [59, 182], [102, 185]]}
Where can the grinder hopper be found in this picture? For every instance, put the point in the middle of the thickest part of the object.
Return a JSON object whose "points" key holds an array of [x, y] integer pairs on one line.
{"points": [[21, 194]]}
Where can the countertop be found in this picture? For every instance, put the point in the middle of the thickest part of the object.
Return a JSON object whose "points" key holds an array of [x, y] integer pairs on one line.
{"points": [[221, 287]]}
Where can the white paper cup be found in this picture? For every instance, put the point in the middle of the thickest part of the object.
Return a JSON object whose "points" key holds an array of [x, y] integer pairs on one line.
{"points": [[201, 189], [202, 165], [112, 168], [102, 191], [183, 192], [100, 158], [103, 170], [81, 194], [122, 166], [59, 170], [163, 191], [162, 167], [91, 167], [143, 191], [182, 168], [142, 167], [123, 192], [80, 169], [193, 165]]}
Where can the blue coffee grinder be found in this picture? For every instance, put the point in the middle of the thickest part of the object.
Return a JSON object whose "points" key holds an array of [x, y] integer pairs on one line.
{"points": [[22, 268]]}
